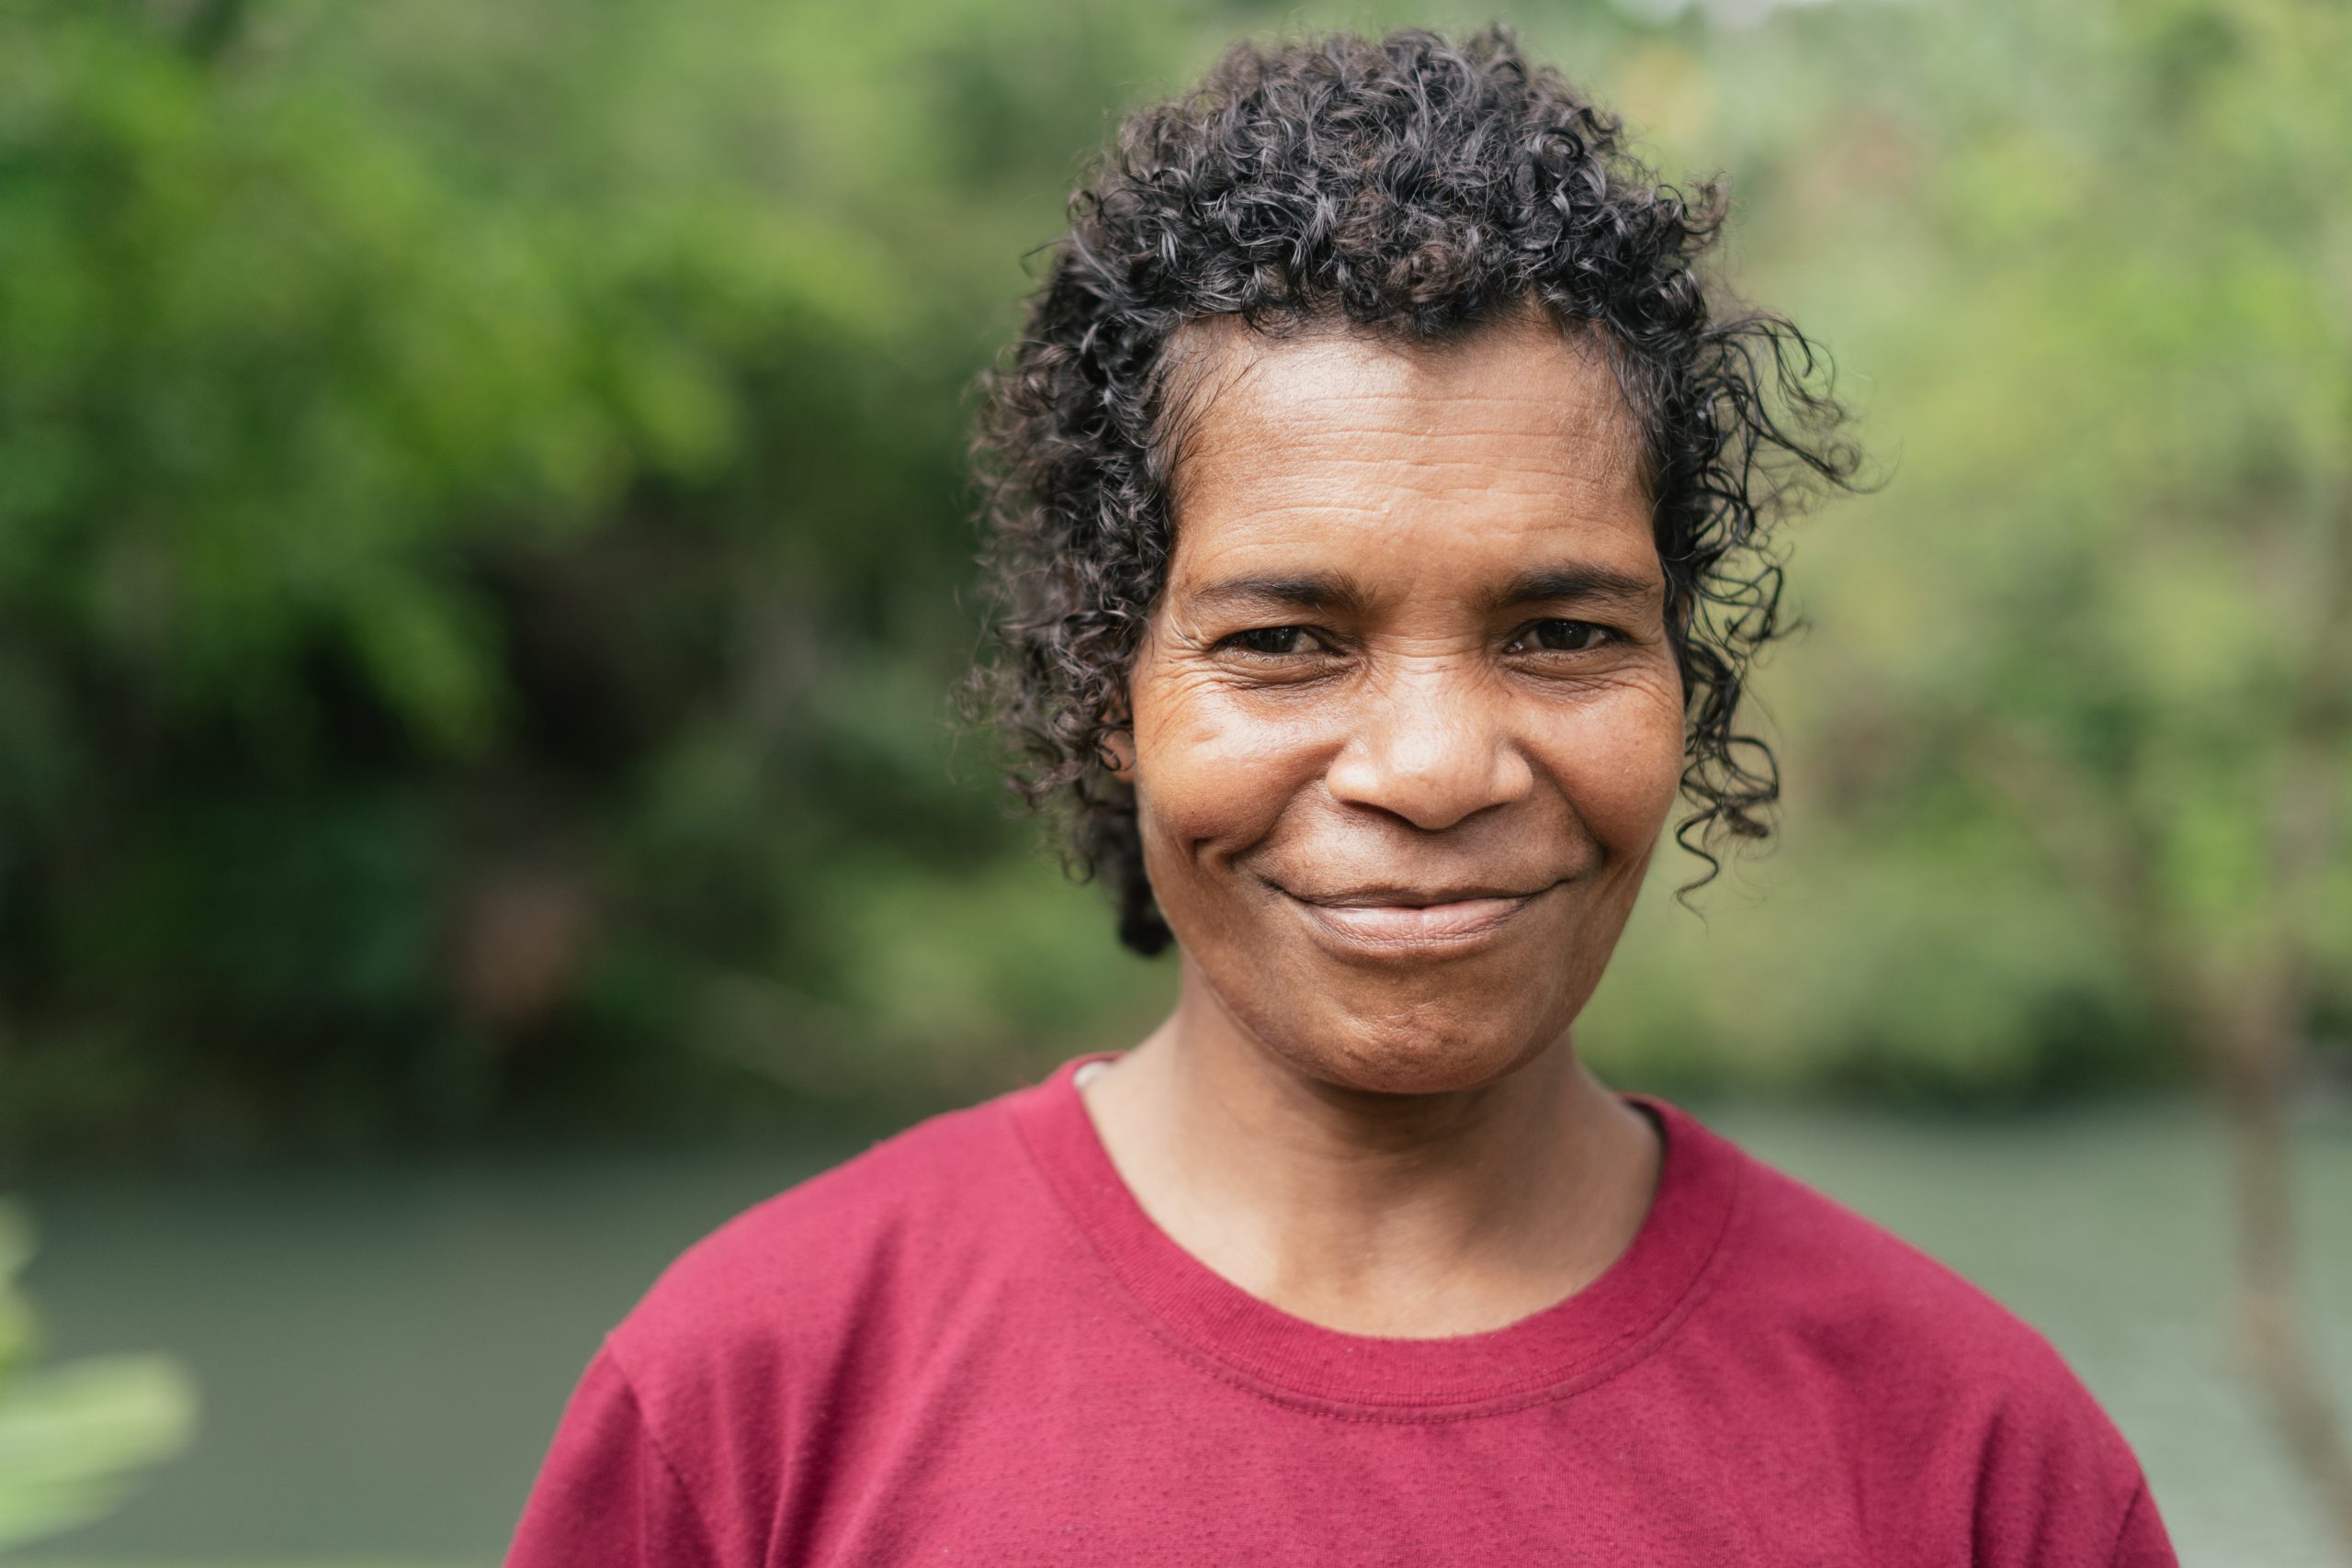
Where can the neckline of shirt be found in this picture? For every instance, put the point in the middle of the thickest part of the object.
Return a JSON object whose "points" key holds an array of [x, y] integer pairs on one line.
{"points": [[1559, 1350]]}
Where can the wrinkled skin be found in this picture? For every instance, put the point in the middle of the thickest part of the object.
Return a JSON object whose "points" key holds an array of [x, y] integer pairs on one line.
{"points": [[1412, 724]]}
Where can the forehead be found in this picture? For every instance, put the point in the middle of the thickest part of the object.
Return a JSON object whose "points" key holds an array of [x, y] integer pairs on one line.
{"points": [[1510, 443]]}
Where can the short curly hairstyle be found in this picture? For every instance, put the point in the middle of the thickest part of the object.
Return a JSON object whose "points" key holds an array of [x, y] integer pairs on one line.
{"points": [[1410, 188]]}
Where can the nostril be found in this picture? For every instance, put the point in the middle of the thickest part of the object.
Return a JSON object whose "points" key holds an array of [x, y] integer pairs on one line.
{"points": [[1431, 780]]}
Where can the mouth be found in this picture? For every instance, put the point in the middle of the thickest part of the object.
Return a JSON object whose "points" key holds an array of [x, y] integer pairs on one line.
{"points": [[1409, 923]]}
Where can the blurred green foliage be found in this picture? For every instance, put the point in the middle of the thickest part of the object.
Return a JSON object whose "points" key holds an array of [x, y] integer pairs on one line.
{"points": [[483, 545], [2073, 666], [71, 1437]]}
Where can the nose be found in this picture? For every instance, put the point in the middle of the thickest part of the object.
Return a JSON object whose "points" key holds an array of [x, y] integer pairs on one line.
{"points": [[1431, 745]]}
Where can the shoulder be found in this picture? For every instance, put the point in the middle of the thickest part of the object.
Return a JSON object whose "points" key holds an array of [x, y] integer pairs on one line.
{"points": [[813, 1302], [1954, 1394], [1852, 1291], [860, 1245]]}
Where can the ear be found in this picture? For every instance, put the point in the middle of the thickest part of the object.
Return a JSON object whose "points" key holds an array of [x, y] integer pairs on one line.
{"points": [[1116, 752]]}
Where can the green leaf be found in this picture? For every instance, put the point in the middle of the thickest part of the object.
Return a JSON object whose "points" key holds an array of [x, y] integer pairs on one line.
{"points": [[72, 1438]]}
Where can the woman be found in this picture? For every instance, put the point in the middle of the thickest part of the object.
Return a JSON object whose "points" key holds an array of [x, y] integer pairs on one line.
{"points": [[1378, 494]]}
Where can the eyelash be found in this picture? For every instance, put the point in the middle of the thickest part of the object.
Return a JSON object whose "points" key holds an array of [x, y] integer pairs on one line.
{"points": [[1238, 640], [1602, 635], [1240, 643]]}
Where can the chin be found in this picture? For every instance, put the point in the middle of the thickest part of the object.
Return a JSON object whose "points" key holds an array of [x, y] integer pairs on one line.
{"points": [[1414, 1053]]}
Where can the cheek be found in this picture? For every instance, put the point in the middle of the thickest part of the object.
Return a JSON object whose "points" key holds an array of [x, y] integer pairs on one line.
{"points": [[1621, 765], [1208, 771]]}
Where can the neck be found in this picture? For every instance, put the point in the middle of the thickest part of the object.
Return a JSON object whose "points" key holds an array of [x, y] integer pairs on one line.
{"points": [[1406, 1215]]}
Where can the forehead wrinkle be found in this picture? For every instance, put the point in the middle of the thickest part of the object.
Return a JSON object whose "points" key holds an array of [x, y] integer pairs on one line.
{"points": [[1348, 476], [1223, 367], [1482, 497]]}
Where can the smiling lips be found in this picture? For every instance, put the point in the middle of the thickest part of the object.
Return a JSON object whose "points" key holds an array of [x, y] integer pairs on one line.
{"points": [[1404, 921]]}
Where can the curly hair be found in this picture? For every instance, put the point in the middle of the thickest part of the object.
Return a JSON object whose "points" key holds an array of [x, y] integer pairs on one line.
{"points": [[1410, 188]]}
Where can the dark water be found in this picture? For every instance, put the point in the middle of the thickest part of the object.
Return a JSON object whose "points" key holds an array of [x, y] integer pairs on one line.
{"points": [[383, 1350]]}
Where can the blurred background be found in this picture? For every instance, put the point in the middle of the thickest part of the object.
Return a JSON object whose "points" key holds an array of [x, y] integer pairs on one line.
{"points": [[484, 551]]}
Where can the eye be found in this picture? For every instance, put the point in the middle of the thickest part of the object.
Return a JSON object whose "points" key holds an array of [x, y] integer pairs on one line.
{"points": [[1564, 637], [1271, 641]]}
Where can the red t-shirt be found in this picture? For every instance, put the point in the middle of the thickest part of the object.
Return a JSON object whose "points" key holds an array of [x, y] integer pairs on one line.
{"points": [[969, 1345]]}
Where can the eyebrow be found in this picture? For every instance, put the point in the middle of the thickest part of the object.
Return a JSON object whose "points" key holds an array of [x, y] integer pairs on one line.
{"points": [[1284, 591], [1583, 582], [1329, 592]]}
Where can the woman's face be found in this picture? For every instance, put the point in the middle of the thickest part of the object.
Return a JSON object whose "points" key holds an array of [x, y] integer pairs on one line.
{"points": [[1406, 723]]}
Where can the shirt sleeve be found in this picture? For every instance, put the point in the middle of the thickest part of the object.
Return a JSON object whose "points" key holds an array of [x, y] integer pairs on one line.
{"points": [[607, 1497], [2143, 1543], [2057, 1486]]}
